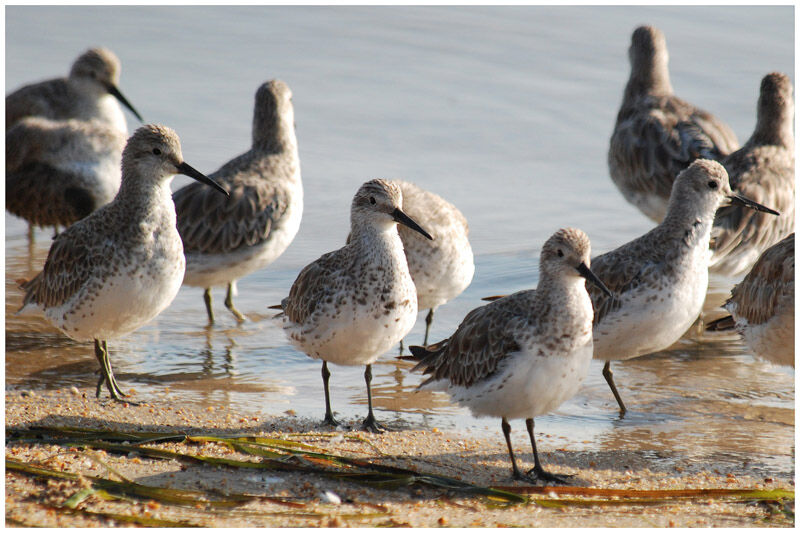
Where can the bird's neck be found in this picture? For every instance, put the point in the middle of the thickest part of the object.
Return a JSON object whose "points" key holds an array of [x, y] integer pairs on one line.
{"points": [[774, 127], [377, 237], [649, 76], [689, 226], [141, 199], [274, 135]]}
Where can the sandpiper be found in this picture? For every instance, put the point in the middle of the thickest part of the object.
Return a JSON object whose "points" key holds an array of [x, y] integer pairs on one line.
{"points": [[227, 238], [351, 305], [443, 267], [659, 280], [763, 169], [657, 134], [762, 305], [115, 270], [90, 92], [64, 141], [525, 354]]}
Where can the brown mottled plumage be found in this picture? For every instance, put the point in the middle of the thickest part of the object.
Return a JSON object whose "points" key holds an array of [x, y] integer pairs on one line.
{"points": [[659, 280], [94, 74], [656, 133], [118, 268], [226, 238], [525, 354], [443, 267], [64, 139], [762, 305], [351, 305], [59, 171], [763, 170]]}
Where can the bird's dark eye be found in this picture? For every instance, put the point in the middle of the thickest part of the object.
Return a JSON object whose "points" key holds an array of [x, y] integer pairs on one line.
{"points": [[372, 200], [156, 151], [560, 253], [712, 184]]}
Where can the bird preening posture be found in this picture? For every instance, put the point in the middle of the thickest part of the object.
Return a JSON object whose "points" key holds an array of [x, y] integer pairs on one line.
{"points": [[64, 141], [114, 271]]}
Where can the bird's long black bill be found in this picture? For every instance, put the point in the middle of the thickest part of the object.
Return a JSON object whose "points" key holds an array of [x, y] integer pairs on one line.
{"points": [[584, 271], [406, 220], [747, 202], [188, 170], [112, 89]]}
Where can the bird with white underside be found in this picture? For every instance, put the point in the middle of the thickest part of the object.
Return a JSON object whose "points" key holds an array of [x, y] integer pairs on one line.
{"points": [[525, 354], [351, 305], [117, 269], [228, 238]]}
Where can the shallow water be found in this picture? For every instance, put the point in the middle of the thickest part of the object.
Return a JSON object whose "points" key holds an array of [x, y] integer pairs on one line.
{"points": [[506, 112]]}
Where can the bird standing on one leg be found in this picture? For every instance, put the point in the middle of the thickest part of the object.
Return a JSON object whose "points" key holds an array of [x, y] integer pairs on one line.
{"points": [[443, 267]]}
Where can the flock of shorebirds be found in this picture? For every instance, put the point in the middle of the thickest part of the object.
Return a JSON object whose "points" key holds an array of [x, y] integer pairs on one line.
{"points": [[129, 242]]}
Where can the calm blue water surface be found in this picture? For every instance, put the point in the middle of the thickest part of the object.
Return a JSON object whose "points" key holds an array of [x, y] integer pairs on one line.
{"points": [[506, 112]]}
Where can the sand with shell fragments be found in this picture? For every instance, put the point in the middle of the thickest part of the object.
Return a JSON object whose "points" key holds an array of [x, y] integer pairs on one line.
{"points": [[309, 500]]}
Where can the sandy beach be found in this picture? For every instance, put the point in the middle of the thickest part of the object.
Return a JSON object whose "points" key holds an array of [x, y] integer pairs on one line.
{"points": [[605, 490]]}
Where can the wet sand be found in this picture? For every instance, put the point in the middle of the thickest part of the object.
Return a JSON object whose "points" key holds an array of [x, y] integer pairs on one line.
{"points": [[295, 499]]}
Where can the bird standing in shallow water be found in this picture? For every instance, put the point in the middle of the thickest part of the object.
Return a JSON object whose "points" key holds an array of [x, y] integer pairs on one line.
{"points": [[762, 305], [64, 141], [228, 238], [443, 267], [659, 280], [351, 305], [525, 354], [763, 170], [657, 134], [112, 272]]}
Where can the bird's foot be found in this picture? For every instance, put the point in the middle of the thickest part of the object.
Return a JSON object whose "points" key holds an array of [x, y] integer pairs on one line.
{"points": [[542, 475], [372, 425], [330, 421]]}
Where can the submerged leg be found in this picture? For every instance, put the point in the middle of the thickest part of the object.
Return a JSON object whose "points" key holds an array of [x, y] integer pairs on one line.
{"points": [[370, 424], [229, 302], [610, 380], [106, 373], [207, 300], [326, 374], [537, 469], [428, 322]]}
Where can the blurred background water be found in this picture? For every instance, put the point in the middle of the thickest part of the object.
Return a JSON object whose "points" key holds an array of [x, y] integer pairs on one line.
{"points": [[504, 111]]}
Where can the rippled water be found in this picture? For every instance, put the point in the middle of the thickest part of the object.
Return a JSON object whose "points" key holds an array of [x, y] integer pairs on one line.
{"points": [[506, 112]]}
